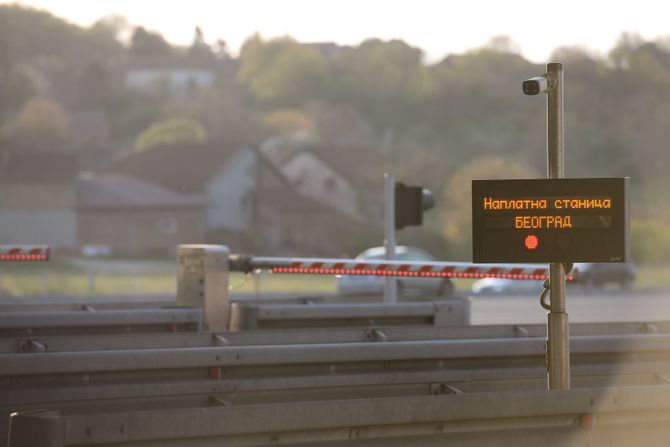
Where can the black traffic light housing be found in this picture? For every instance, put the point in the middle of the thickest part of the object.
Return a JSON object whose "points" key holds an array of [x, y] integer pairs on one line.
{"points": [[410, 203]]}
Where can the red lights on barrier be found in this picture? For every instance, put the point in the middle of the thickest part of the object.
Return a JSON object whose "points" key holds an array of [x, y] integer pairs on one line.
{"points": [[381, 272], [23, 258], [531, 242], [24, 253]]}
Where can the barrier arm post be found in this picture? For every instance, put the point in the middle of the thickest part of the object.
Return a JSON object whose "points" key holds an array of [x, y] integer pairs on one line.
{"points": [[202, 281]]}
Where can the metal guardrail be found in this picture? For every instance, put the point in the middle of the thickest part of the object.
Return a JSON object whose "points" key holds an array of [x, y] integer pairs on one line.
{"points": [[88, 320], [158, 340], [613, 416], [293, 356], [454, 312], [69, 302], [182, 370]]}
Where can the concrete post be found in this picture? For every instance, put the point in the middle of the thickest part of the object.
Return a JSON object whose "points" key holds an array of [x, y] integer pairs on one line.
{"points": [[202, 281]]}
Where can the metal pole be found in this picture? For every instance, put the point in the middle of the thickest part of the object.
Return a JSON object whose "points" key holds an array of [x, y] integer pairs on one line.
{"points": [[558, 337], [390, 285]]}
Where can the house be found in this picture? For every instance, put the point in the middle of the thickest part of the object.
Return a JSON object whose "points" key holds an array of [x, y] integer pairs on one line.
{"points": [[175, 76], [251, 204], [223, 172], [291, 224], [349, 180], [37, 198], [135, 217]]}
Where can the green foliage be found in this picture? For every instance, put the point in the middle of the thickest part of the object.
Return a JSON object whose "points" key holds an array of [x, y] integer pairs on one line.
{"points": [[650, 241], [171, 131], [16, 87], [31, 33], [145, 43], [384, 80], [41, 124], [457, 195], [281, 72]]}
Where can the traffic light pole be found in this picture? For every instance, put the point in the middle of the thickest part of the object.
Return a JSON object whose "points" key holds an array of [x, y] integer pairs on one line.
{"points": [[558, 335], [390, 285]]}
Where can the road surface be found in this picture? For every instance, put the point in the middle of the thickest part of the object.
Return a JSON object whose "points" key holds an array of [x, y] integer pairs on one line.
{"points": [[609, 305]]}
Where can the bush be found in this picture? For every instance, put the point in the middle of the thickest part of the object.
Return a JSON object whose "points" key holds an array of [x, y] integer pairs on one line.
{"points": [[650, 241], [176, 130]]}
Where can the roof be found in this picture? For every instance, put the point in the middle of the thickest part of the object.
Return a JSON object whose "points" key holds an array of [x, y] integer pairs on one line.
{"points": [[183, 167], [117, 191], [360, 165], [32, 167]]}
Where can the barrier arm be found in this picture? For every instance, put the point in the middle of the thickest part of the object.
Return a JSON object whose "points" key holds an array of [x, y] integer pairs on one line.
{"points": [[326, 266], [24, 253]]}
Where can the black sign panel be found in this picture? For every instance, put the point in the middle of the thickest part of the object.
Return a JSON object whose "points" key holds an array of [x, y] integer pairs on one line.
{"points": [[552, 220]]}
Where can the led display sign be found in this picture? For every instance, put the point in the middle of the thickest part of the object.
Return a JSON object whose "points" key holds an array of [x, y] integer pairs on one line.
{"points": [[552, 220]]}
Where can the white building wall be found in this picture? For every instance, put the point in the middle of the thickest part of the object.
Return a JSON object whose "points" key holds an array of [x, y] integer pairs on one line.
{"points": [[176, 81], [230, 193], [315, 179]]}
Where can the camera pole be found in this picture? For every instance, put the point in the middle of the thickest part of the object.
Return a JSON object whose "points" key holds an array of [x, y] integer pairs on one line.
{"points": [[558, 337]]}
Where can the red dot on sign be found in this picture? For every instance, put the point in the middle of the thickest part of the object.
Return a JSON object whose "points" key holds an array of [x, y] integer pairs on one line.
{"points": [[531, 242]]}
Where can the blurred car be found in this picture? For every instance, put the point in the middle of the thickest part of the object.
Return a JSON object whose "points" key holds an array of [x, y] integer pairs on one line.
{"points": [[354, 284], [492, 286], [597, 274]]}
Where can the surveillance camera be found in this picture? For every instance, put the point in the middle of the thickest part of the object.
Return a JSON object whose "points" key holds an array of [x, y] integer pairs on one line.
{"points": [[533, 86]]}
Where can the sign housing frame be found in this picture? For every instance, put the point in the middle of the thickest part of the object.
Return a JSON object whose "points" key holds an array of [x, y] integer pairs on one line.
{"points": [[591, 235]]}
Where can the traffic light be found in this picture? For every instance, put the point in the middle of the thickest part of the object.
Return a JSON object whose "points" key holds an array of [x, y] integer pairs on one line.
{"points": [[410, 203]]}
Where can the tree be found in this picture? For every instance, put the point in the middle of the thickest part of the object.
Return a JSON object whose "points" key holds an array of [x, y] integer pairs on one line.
{"points": [[16, 87], [282, 72], [457, 195], [385, 81], [41, 124], [289, 121], [171, 131], [146, 43], [31, 34], [199, 47], [621, 54]]}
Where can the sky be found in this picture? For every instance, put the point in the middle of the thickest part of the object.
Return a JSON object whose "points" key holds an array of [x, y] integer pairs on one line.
{"points": [[439, 27]]}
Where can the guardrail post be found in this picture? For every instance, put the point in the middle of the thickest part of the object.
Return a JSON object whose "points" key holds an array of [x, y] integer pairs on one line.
{"points": [[39, 428], [202, 281]]}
